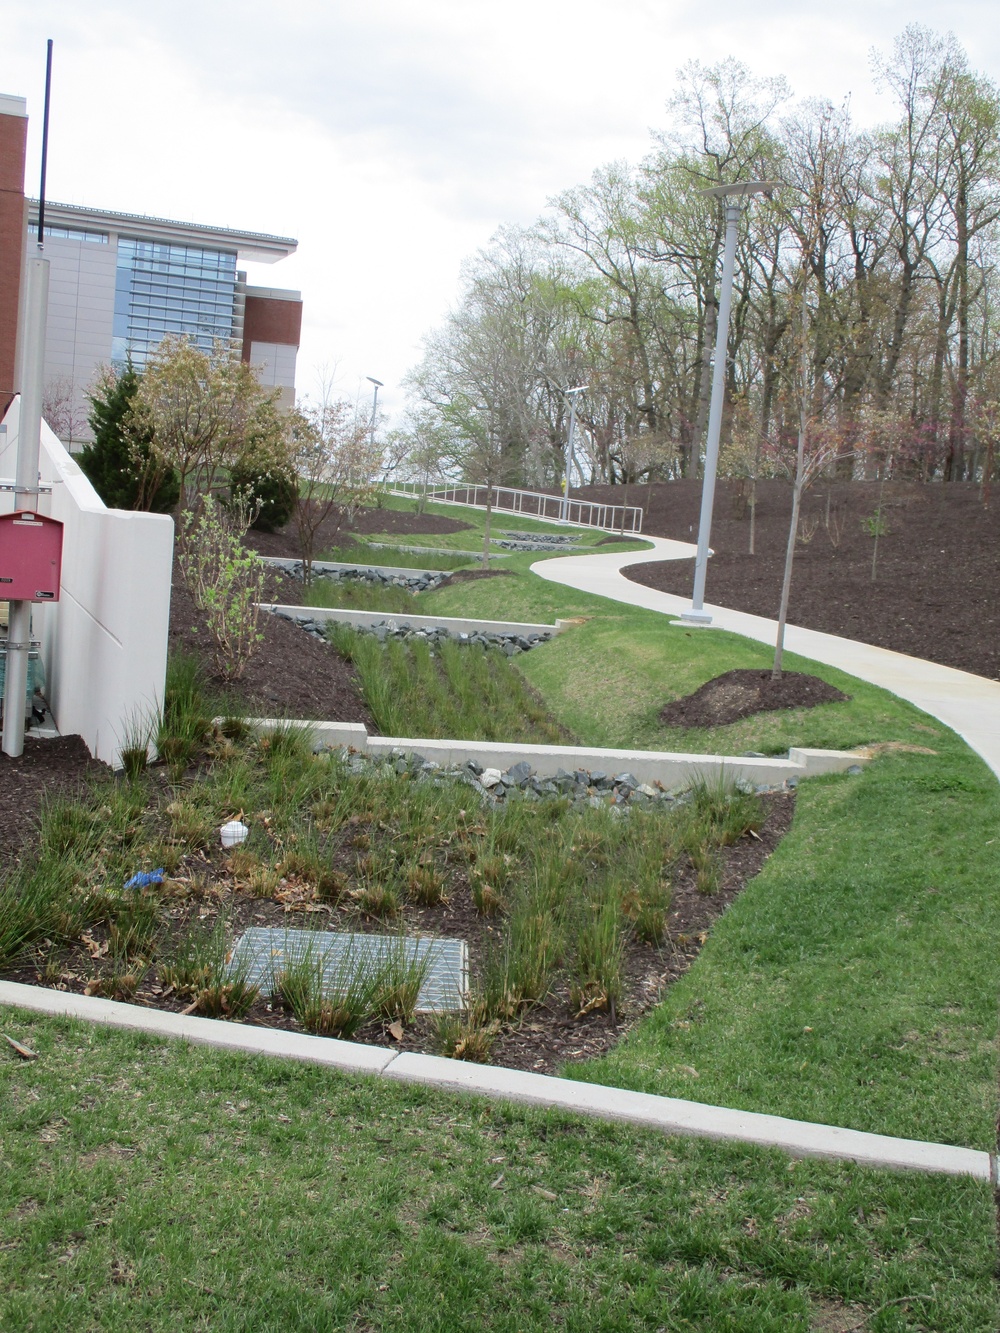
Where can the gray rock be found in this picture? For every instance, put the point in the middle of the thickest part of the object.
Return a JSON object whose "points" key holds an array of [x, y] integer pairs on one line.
{"points": [[519, 773]]}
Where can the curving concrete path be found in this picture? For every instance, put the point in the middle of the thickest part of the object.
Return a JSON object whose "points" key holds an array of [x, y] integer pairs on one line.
{"points": [[968, 704]]}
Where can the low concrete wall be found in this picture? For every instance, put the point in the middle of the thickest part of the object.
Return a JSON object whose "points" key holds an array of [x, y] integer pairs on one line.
{"points": [[366, 619], [673, 771], [293, 566], [104, 643]]}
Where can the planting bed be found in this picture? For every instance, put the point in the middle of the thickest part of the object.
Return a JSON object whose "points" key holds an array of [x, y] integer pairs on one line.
{"points": [[575, 918]]}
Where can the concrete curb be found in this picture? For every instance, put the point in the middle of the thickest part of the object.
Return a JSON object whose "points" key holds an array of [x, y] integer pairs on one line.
{"points": [[669, 1115], [673, 771]]}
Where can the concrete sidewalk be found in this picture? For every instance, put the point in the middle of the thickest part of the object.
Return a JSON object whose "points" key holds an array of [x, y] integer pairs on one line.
{"points": [[968, 704]]}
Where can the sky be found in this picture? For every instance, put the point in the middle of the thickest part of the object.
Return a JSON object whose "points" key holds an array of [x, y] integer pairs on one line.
{"points": [[392, 138]]}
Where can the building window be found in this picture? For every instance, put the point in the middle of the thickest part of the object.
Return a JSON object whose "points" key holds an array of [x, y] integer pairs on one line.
{"points": [[175, 289], [69, 234]]}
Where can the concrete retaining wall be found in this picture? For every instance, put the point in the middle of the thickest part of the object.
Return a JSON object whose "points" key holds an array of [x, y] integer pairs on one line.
{"points": [[367, 619], [104, 643], [673, 771]]}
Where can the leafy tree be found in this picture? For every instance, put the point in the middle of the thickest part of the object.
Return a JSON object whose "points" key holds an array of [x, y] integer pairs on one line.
{"points": [[119, 462], [203, 415]]}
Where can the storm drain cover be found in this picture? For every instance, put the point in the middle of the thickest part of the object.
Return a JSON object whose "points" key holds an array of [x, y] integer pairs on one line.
{"points": [[267, 951]]}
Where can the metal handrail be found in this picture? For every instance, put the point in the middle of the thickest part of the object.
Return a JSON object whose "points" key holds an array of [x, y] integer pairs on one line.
{"points": [[536, 504]]}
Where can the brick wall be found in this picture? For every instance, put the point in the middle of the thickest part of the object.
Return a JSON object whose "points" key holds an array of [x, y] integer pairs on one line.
{"points": [[13, 133]]}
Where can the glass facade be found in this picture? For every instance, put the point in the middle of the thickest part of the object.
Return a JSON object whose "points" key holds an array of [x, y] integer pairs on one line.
{"points": [[179, 289]]}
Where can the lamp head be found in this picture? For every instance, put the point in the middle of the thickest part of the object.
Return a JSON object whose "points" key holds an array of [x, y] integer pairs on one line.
{"points": [[743, 188]]}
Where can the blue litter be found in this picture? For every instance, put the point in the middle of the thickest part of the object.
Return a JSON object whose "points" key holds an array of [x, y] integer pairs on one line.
{"points": [[145, 877]]}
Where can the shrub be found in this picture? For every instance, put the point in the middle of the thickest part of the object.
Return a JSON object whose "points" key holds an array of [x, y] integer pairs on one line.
{"points": [[272, 493], [225, 580]]}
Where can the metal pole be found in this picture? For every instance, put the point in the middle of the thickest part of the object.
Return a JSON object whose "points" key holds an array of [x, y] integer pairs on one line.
{"points": [[36, 299], [571, 394], [697, 613], [45, 144]]}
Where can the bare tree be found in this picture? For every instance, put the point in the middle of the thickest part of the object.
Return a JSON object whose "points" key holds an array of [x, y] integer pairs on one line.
{"points": [[337, 465]]}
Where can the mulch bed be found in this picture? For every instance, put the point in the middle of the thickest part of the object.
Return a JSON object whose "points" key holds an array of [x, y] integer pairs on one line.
{"points": [[290, 675], [937, 571], [339, 531], [739, 694], [47, 768], [551, 1034]]}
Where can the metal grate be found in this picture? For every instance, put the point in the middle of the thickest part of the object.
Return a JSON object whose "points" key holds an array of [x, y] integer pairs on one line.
{"points": [[266, 951]]}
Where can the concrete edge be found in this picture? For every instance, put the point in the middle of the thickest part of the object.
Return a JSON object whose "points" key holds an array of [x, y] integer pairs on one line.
{"points": [[669, 1115], [458, 624], [673, 770], [340, 567]]}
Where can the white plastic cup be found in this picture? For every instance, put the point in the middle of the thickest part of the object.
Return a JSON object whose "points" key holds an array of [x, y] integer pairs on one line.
{"points": [[233, 833]]}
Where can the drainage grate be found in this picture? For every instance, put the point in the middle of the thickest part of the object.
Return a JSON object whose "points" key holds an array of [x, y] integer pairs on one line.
{"points": [[265, 951]]}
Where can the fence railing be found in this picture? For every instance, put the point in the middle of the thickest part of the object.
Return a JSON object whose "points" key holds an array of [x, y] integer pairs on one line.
{"points": [[532, 504]]}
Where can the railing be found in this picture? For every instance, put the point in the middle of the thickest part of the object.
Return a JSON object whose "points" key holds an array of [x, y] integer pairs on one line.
{"points": [[532, 504]]}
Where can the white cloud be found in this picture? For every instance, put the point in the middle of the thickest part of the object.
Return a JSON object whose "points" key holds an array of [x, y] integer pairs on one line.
{"points": [[392, 138]]}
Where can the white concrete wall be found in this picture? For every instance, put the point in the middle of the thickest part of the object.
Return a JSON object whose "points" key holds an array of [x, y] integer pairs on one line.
{"points": [[104, 643]]}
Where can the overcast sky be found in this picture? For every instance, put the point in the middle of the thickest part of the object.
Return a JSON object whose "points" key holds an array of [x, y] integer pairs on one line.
{"points": [[392, 137]]}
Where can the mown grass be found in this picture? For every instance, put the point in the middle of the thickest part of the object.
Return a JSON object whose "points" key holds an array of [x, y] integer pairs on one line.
{"points": [[448, 690], [855, 983], [361, 554], [359, 595], [177, 1188]]}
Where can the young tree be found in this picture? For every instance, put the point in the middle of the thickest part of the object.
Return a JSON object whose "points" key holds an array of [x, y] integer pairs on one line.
{"points": [[203, 414], [119, 462], [337, 466]]}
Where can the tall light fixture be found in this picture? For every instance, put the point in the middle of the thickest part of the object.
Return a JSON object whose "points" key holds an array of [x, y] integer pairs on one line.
{"points": [[571, 395], [378, 385], [731, 195]]}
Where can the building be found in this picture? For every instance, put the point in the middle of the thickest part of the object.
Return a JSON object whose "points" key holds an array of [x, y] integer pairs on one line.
{"points": [[120, 282]]}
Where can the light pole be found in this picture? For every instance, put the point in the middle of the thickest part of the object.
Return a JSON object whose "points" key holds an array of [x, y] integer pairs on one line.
{"points": [[730, 195], [378, 385], [571, 395]]}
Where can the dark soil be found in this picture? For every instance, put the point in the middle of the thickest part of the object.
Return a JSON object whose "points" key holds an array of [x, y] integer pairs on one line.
{"points": [[470, 575], [937, 570], [738, 694], [47, 768], [291, 674], [338, 531], [551, 1034]]}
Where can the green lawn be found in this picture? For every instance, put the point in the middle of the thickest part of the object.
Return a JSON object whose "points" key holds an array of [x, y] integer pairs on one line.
{"points": [[169, 1188]]}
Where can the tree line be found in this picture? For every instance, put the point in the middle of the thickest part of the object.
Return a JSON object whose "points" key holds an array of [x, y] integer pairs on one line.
{"points": [[866, 289]]}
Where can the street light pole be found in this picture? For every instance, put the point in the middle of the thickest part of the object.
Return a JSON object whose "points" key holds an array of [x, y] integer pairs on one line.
{"points": [[378, 385], [730, 194], [571, 395]]}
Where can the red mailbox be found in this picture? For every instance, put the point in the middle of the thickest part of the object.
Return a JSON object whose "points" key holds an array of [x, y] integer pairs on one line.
{"points": [[30, 557]]}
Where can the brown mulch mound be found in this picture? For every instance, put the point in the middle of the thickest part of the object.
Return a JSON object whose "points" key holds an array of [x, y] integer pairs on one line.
{"points": [[290, 675], [58, 767], [937, 572], [337, 531], [739, 694]]}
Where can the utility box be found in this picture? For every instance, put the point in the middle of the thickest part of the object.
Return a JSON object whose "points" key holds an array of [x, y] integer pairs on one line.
{"points": [[30, 557]]}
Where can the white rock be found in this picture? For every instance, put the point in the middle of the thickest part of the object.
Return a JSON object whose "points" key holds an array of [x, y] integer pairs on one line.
{"points": [[490, 777]]}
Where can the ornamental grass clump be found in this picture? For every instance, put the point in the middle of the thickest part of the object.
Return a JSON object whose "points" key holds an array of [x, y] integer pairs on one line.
{"points": [[201, 967]]}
